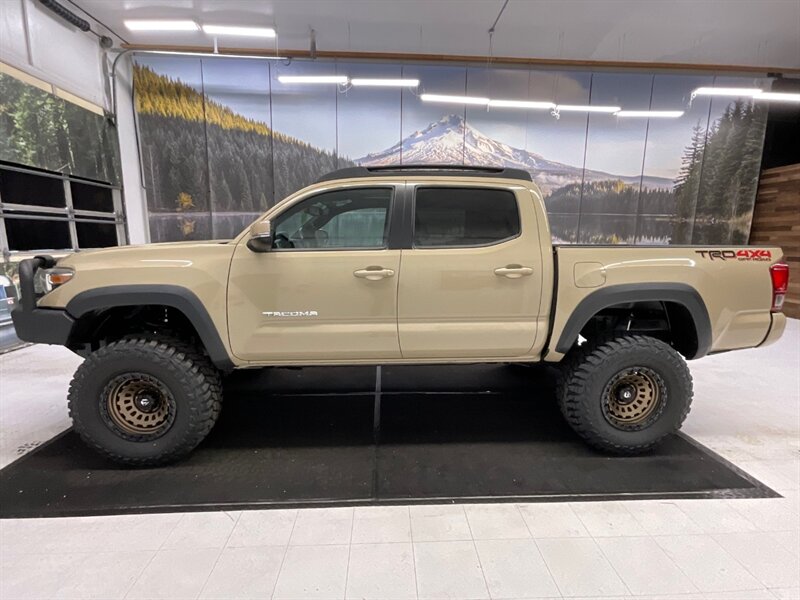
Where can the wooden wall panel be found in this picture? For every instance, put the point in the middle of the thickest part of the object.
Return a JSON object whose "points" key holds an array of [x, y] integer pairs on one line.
{"points": [[776, 221]]}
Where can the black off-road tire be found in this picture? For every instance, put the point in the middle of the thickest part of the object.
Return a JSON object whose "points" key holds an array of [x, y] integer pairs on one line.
{"points": [[589, 369], [192, 381]]}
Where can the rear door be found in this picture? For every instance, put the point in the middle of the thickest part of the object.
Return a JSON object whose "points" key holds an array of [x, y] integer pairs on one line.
{"points": [[472, 280]]}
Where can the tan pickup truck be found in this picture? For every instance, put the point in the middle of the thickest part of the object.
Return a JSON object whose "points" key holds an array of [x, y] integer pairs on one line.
{"points": [[394, 265]]}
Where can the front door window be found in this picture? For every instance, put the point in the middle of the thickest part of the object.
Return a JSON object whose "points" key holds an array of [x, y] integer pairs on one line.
{"points": [[344, 219]]}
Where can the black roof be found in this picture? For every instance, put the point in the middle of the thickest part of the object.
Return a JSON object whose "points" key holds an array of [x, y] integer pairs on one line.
{"points": [[426, 171]]}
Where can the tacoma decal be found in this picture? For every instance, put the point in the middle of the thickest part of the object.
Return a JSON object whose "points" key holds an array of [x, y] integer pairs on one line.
{"points": [[749, 254], [290, 313]]}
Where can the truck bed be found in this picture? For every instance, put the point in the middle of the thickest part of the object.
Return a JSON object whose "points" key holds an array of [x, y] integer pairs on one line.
{"points": [[730, 284]]}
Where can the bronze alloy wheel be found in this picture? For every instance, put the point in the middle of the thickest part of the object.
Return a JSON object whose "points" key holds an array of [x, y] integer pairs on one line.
{"points": [[634, 398], [138, 406]]}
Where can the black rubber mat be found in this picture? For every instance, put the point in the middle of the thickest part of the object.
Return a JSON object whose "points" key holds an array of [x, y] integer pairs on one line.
{"points": [[326, 436]]}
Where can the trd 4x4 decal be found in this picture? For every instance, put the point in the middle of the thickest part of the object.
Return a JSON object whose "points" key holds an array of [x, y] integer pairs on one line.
{"points": [[749, 254]]}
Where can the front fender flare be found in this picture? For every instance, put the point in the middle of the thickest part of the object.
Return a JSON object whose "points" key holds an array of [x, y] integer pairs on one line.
{"points": [[174, 296]]}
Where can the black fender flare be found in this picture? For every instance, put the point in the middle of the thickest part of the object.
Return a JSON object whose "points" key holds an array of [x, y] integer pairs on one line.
{"points": [[680, 293], [174, 296]]}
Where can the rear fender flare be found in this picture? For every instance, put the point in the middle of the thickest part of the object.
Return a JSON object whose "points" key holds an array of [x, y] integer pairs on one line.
{"points": [[679, 293]]}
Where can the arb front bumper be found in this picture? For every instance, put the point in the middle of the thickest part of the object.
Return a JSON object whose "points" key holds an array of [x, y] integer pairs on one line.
{"points": [[39, 325]]}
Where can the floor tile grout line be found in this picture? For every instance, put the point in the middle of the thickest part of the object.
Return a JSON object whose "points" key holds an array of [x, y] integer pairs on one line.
{"points": [[652, 539], [582, 522], [349, 550], [564, 537], [791, 550], [734, 506], [672, 535], [763, 585], [539, 550], [726, 503], [219, 555], [285, 552], [744, 566], [636, 520], [551, 537], [681, 569], [477, 554], [155, 553], [594, 541], [413, 551]]}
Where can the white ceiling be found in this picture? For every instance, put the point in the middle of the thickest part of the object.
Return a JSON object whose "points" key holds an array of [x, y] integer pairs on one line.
{"points": [[725, 32]]}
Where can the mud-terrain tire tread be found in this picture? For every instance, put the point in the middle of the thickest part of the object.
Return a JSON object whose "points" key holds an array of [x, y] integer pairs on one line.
{"points": [[587, 360], [187, 363]]}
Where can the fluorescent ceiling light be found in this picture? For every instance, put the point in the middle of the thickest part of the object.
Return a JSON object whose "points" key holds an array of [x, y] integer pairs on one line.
{"points": [[455, 99], [312, 78], [778, 96], [723, 91], [650, 114], [385, 82], [160, 25], [265, 32], [587, 108], [520, 104]]}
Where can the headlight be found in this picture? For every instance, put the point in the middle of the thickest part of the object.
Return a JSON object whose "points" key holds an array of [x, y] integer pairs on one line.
{"points": [[55, 277]]}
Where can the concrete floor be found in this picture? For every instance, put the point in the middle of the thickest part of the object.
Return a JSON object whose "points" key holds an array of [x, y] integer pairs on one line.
{"points": [[747, 408]]}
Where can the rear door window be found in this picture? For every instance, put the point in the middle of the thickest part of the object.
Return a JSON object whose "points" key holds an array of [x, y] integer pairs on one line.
{"points": [[459, 217]]}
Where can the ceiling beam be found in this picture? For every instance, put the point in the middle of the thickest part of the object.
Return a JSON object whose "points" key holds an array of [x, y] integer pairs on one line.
{"points": [[500, 60]]}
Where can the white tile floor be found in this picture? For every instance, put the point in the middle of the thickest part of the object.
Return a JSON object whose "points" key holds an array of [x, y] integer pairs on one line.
{"points": [[747, 408]]}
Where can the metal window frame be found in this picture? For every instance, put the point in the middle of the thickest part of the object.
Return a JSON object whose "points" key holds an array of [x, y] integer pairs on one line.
{"points": [[65, 214]]}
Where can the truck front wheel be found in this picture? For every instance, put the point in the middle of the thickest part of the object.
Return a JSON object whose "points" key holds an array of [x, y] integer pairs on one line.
{"points": [[627, 394], [144, 402]]}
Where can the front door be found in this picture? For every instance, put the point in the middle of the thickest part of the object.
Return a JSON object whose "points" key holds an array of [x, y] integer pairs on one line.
{"points": [[328, 289], [471, 282]]}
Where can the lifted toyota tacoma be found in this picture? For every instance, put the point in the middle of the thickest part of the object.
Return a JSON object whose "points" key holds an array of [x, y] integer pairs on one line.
{"points": [[394, 265]]}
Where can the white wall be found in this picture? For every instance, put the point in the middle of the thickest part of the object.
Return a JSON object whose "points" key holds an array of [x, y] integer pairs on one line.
{"points": [[36, 41], [134, 192]]}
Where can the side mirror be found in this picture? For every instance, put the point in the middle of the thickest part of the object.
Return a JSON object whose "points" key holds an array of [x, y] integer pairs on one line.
{"points": [[260, 237]]}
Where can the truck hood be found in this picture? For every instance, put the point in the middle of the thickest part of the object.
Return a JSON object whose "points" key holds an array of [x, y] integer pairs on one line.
{"points": [[145, 253], [200, 267]]}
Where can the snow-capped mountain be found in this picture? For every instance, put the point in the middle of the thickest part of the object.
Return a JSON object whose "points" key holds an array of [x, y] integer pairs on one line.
{"points": [[452, 141]]}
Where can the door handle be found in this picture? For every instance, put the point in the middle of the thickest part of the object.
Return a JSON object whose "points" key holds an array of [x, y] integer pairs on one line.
{"points": [[513, 271], [373, 273]]}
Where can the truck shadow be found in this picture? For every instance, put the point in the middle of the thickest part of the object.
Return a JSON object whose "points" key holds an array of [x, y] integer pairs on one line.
{"points": [[417, 404], [309, 437]]}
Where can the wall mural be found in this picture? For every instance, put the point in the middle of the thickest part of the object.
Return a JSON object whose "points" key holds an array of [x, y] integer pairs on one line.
{"points": [[39, 129], [223, 139]]}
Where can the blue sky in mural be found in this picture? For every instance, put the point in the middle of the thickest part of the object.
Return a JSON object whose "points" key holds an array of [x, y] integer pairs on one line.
{"points": [[369, 117], [666, 135], [506, 124], [303, 111], [247, 92], [616, 145], [434, 79]]}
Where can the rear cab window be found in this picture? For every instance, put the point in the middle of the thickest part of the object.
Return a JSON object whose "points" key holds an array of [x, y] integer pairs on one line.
{"points": [[448, 217]]}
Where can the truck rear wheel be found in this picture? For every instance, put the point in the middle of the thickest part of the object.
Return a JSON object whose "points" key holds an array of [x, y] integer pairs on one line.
{"points": [[145, 402], [627, 394]]}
